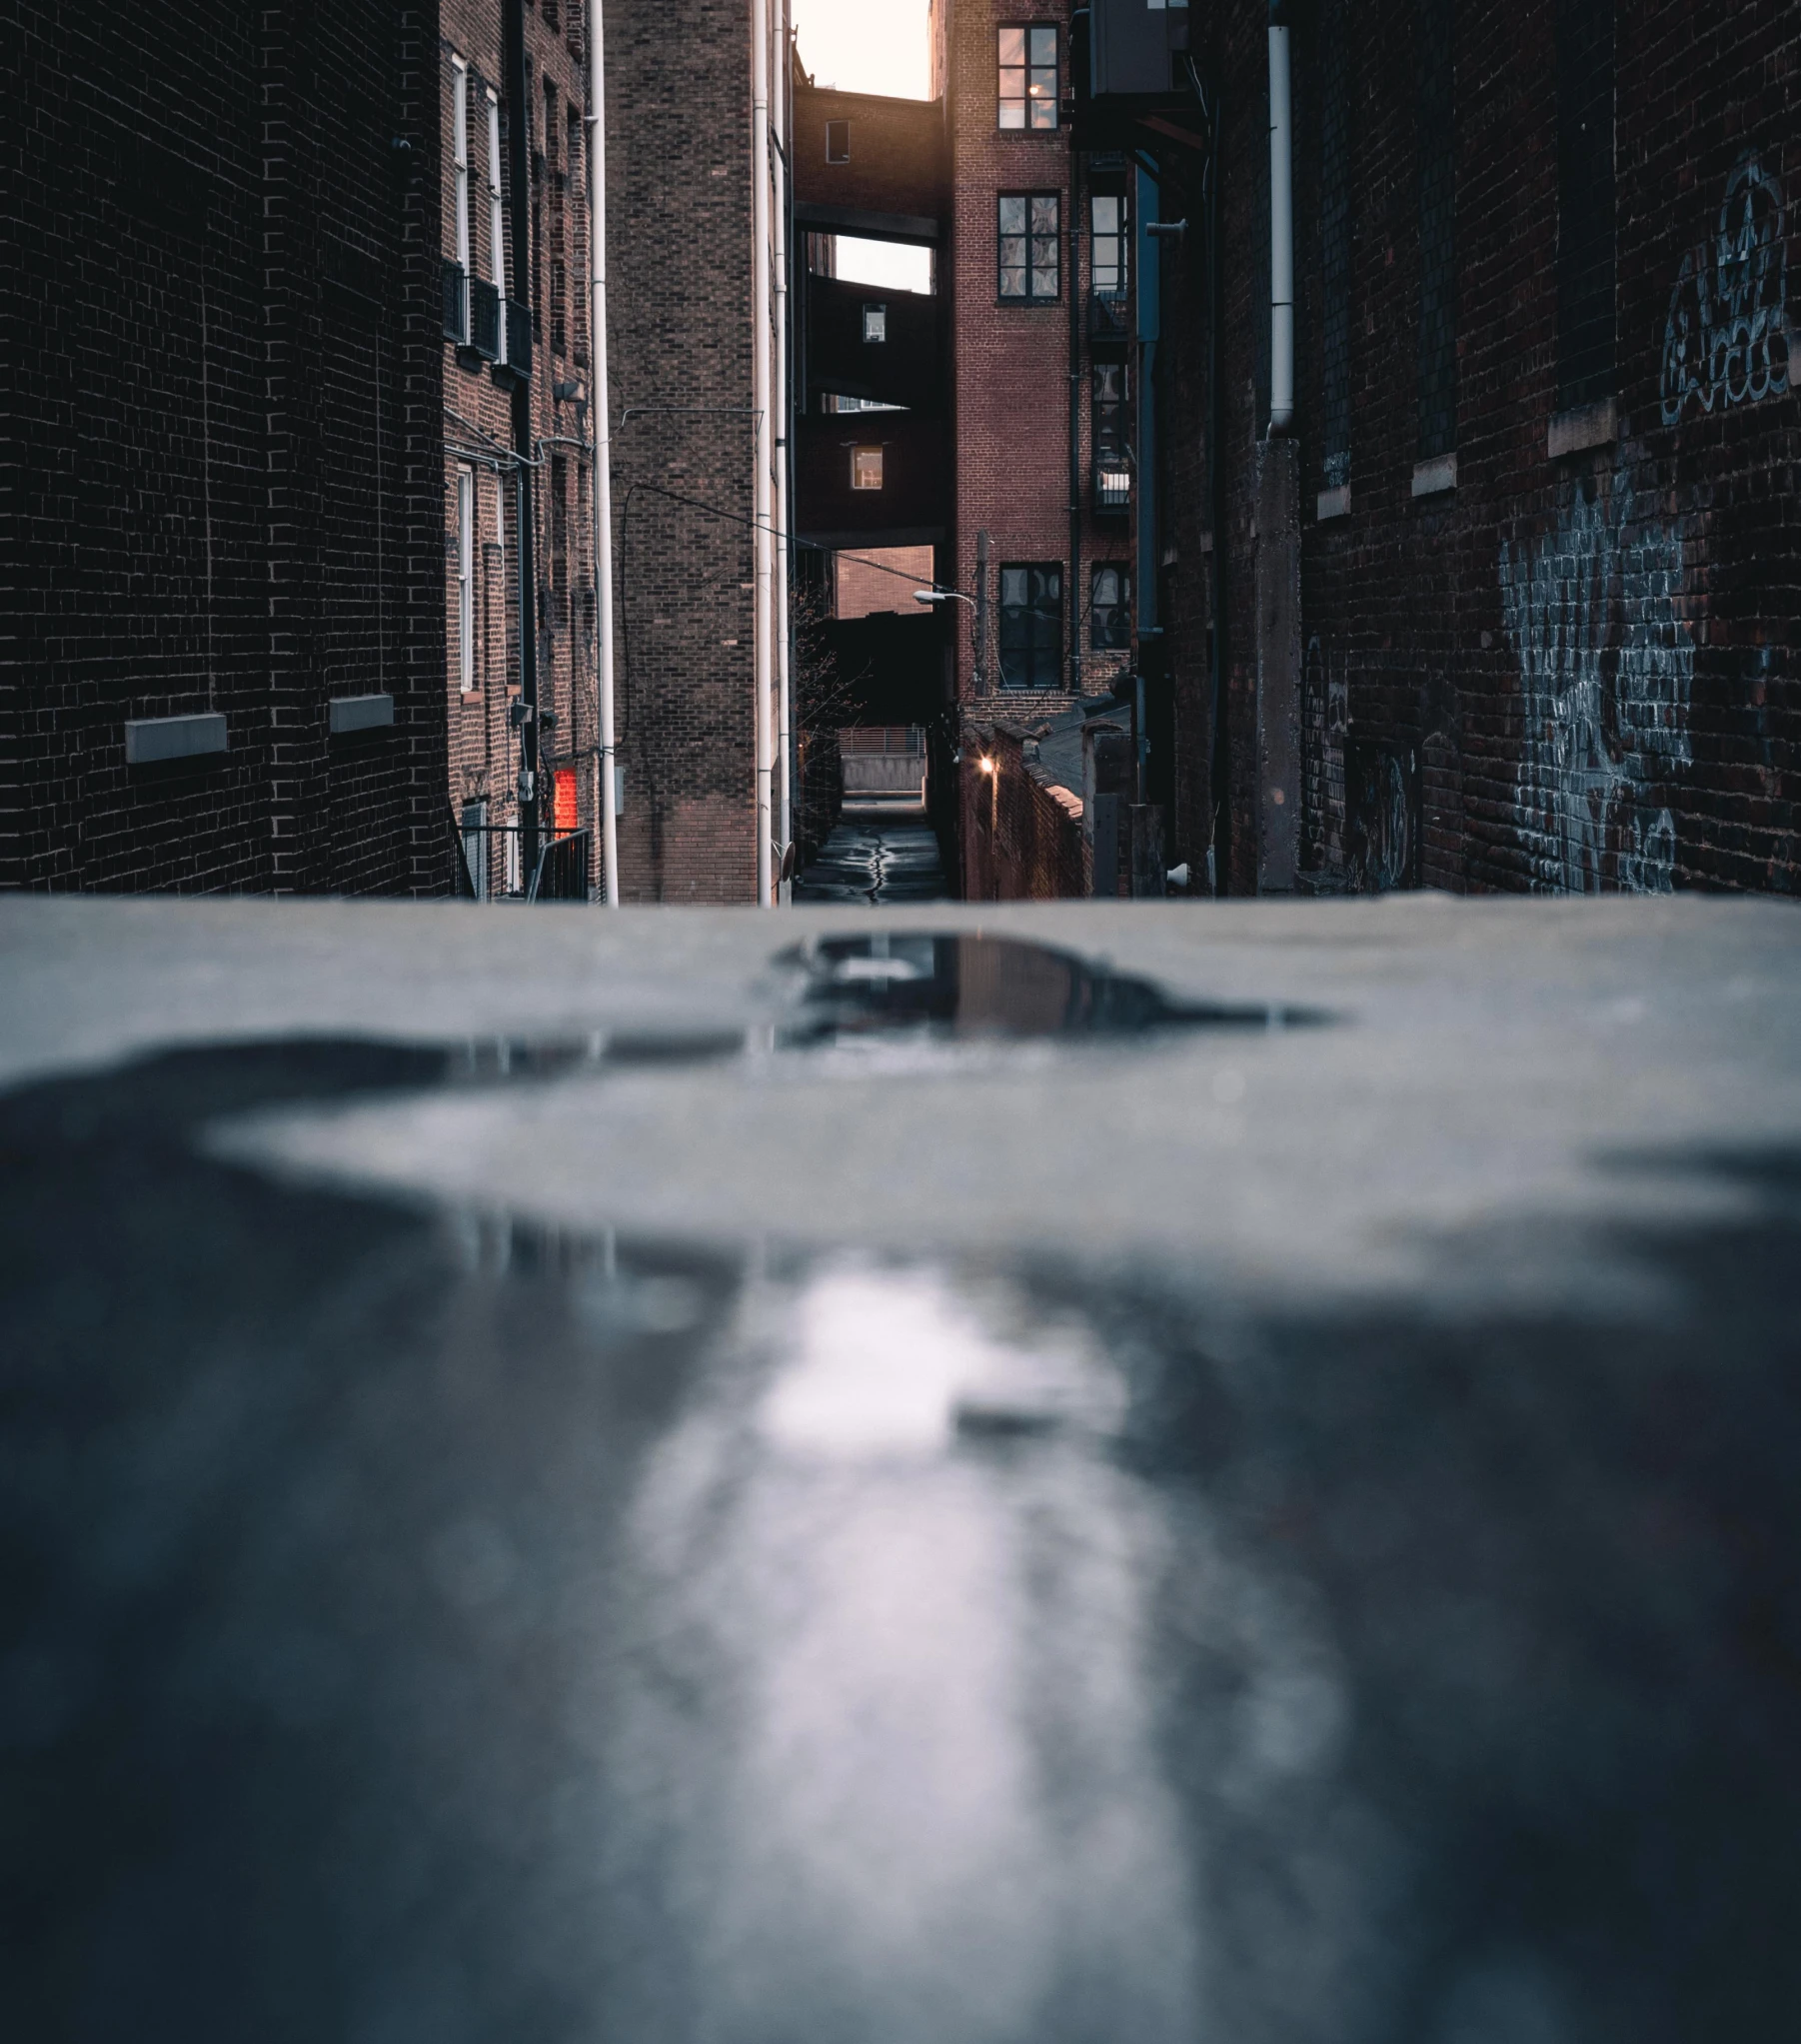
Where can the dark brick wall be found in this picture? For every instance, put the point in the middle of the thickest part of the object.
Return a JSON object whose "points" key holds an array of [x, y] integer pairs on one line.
{"points": [[1574, 670], [222, 416]]}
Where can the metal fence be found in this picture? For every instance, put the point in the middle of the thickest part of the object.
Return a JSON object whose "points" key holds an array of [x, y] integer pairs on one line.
{"points": [[487, 863]]}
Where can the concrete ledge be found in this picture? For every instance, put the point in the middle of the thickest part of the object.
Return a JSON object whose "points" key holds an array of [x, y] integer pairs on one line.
{"points": [[1433, 478], [1334, 503], [1595, 425], [361, 713], [147, 739]]}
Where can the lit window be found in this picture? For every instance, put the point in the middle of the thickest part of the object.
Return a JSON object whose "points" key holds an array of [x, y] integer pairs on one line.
{"points": [[875, 322], [1031, 626], [1106, 226], [1110, 619], [866, 468], [1027, 245], [1028, 75]]}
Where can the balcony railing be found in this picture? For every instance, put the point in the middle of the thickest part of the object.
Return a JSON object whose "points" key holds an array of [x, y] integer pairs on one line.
{"points": [[1109, 315], [1113, 486], [455, 304]]}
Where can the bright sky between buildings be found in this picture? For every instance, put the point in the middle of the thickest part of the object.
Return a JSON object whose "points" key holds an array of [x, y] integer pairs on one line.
{"points": [[870, 46]]}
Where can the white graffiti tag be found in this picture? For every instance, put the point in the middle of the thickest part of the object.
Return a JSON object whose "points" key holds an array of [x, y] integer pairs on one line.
{"points": [[1726, 341], [1605, 712]]}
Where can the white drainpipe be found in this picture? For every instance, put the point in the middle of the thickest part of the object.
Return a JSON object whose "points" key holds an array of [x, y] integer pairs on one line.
{"points": [[1281, 226], [607, 789], [785, 707], [763, 616]]}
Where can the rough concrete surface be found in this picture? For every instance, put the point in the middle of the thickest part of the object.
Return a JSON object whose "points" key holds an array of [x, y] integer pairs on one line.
{"points": [[551, 1494]]}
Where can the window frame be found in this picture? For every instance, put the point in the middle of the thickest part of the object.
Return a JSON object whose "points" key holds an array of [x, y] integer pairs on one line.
{"points": [[1042, 612], [466, 579], [460, 157], [1120, 233], [496, 212], [859, 454], [1110, 432], [1029, 236], [1028, 72], [1118, 638]]}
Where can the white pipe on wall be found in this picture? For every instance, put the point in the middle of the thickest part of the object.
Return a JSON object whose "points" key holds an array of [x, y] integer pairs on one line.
{"points": [[1281, 226], [601, 397], [783, 690], [763, 612]]}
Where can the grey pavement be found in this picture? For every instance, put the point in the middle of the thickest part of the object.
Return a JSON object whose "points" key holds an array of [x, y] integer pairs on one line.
{"points": [[1064, 1473]]}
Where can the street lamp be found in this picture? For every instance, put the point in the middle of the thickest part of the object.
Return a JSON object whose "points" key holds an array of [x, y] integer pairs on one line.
{"points": [[941, 596]]}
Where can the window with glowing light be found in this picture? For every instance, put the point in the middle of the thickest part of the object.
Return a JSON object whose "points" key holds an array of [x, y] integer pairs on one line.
{"points": [[1028, 75], [866, 468]]}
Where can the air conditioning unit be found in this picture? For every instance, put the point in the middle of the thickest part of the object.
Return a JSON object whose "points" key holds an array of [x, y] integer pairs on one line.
{"points": [[485, 319], [455, 304], [1138, 48]]}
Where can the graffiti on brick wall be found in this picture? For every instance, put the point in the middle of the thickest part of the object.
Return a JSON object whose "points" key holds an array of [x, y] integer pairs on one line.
{"points": [[1381, 817], [1726, 341], [1593, 611]]}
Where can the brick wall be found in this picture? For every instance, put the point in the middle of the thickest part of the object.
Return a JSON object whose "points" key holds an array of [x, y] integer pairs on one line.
{"points": [[1021, 834], [1577, 667], [1012, 363], [222, 424], [479, 429]]}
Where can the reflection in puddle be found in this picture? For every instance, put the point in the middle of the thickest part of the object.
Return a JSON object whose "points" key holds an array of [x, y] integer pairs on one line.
{"points": [[969, 984]]}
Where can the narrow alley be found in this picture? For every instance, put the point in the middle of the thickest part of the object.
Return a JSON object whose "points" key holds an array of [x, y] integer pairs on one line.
{"points": [[868, 858]]}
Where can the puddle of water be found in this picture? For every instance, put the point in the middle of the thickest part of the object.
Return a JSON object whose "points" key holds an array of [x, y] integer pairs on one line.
{"points": [[968, 985]]}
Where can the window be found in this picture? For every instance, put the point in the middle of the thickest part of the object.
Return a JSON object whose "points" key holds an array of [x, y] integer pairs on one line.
{"points": [[460, 149], [1106, 245], [837, 141], [1334, 247], [1437, 232], [1028, 77], [1028, 224], [1113, 456], [1032, 626], [563, 817], [866, 468], [875, 322], [497, 218], [1585, 203], [466, 579], [1110, 615]]}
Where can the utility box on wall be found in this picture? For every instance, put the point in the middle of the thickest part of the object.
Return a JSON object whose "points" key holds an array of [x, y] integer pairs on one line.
{"points": [[1136, 48]]}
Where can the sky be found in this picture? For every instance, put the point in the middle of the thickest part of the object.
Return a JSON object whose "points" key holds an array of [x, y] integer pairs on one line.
{"points": [[870, 46]]}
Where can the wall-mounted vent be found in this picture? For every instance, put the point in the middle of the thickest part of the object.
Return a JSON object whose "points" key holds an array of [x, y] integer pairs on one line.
{"points": [[149, 738], [360, 713]]}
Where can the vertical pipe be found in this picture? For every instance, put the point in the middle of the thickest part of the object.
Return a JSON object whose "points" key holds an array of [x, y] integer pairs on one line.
{"points": [[1219, 840], [761, 399], [606, 807], [1281, 226], [784, 399], [982, 612], [519, 122], [1074, 423]]}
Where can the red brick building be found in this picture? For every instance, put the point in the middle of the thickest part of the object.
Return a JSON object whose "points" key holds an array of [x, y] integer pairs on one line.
{"points": [[518, 471], [518, 427]]}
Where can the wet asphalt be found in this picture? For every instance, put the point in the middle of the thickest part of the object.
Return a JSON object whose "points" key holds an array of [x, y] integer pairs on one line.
{"points": [[875, 860]]}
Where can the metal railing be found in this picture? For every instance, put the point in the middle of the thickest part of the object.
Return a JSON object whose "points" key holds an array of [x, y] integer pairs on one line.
{"points": [[477, 849]]}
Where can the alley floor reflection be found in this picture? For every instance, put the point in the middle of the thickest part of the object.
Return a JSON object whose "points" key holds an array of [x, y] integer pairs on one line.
{"points": [[425, 1624]]}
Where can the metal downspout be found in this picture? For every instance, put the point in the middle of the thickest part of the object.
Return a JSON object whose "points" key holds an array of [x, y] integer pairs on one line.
{"points": [[607, 807], [761, 549]]}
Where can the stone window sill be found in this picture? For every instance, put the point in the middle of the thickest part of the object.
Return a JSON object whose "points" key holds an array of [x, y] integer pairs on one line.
{"points": [[1434, 478], [1583, 427], [1333, 504]]}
